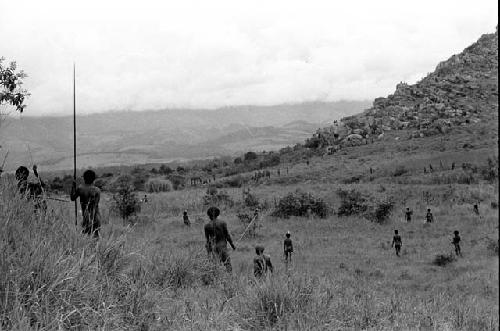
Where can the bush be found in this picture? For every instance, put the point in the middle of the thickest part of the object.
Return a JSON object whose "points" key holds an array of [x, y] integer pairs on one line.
{"points": [[250, 156], [381, 211], [352, 202], [251, 200], [492, 246], [490, 171], [443, 259], [236, 181], [400, 170], [238, 160], [214, 197], [155, 185], [298, 203], [125, 201]]}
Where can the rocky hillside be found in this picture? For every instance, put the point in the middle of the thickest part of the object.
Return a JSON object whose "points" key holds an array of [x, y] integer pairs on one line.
{"points": [[462, 90]]}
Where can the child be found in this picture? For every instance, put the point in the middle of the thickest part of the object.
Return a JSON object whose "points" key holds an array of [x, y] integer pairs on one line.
{"points": [[429, 218], [456, 242], [288, 247], [89, 195], [185, 217], [261, 262], [397, 242], [408, 214]]}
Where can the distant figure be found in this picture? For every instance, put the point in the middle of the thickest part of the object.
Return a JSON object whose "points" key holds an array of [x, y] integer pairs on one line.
{"points": [[307, 162], [217, 238], [408, 214], [456, 242], [261, 263], [145, 199], [279, 173], [430, 168], [287, 170], [425, 170], [309, 212], [429, 218], [31, 189], [90, 196], [453, 166], [371, 170], [288, 247], [185, 218], [441, 164], [476, 209], [397, 242], [214, 178]]}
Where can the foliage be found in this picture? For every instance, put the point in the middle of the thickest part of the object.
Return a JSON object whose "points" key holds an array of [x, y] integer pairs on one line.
{"points": [[400, 170], [352, 202], [165, 170], [490, 171], [251, 200], [235, 181], [298, 203], [381, 211], [11, 86], [250, 156], [214, 197], [158, 185], [238, 160], [443, 259], [125, 201]]}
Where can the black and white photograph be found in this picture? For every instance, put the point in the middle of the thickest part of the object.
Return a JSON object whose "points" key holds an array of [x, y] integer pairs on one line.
{"points": [[249, 165]]}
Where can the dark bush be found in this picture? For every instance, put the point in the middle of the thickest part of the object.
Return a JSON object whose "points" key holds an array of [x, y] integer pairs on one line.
{"points": [[125, 201], [400, 170], [251, 200], [352, 202], [250, 156], [214, 197], [238, 160], [490, 171], [298, 203], [381, 211], [443, 259], [235, 181]]}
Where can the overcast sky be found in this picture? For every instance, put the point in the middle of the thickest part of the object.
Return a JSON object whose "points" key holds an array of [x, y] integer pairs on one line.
{"points": [[159, 54]]}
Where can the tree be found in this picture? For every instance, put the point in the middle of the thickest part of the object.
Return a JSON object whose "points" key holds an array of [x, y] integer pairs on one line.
{"points": [[125, 200], [12, 92], [249, 156]]}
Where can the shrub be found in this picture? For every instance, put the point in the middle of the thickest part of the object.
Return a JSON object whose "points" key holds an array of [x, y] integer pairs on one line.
{"points": [[381, 211], [213, 197], [492, 245], [238, 160], [352, 202], [298, 203], [158, 185], [125, 201], [400, 170], [236, 181], [443, 259], [251, 200], [490, 171], [250, 156]]}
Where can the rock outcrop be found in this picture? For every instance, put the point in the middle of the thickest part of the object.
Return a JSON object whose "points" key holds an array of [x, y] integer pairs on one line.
{"points": [[462, 90]]}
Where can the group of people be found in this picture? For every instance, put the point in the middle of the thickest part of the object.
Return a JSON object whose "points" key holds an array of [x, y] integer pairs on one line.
{"points": [[397, 242], [217, 239], [429, 217]]}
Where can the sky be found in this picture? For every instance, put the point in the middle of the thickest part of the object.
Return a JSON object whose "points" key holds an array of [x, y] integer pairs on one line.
{"points": [[143, 55]]}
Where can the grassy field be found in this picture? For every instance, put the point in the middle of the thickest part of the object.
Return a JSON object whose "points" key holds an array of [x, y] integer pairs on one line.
{"points": [[154, 274]]}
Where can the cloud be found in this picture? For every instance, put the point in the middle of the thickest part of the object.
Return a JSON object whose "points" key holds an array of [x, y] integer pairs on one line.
{"points": [[159, 54]]}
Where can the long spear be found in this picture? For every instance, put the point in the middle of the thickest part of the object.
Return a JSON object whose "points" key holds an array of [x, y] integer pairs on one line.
{"points": [[74, 139]]}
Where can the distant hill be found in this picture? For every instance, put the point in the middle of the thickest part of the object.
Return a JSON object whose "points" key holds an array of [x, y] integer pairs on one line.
{"points": [[126, 137], [461, 91]]}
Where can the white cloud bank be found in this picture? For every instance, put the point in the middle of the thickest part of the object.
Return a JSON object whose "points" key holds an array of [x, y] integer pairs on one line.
{"points": [[159, 54]]}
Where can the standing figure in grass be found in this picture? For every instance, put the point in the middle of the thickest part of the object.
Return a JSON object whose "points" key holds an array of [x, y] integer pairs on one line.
{"points": [[456, 242], [217, 238], [185, 218], [90, 196], [261, 262], [31, 188], [408, 214], [429, 218], [397, 242], [476, 209], [288, 247]]}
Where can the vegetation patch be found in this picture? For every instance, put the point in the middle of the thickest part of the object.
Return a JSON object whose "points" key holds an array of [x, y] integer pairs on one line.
{"points": [[300, 203]]}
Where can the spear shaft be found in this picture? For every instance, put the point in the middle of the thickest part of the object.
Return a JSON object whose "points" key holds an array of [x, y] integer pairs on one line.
{"points": [[74, 140]]}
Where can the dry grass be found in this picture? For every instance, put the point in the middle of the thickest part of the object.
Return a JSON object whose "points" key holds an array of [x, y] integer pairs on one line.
{"points": [[155, 275]]}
